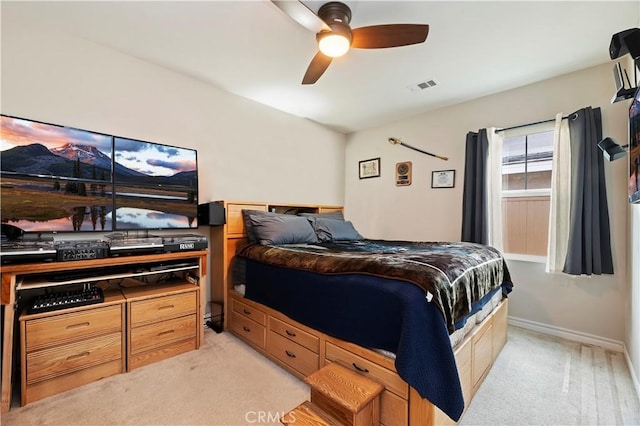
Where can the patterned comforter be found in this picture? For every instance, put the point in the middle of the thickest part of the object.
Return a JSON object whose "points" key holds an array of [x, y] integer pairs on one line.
{"points": [[453, 275]]}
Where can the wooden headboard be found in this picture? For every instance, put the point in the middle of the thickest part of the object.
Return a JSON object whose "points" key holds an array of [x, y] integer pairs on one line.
{"points": [[227, 239]]}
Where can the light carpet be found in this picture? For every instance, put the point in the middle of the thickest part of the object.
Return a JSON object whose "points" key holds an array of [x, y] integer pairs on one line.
{"points": [[537, 379], [544, 380]]}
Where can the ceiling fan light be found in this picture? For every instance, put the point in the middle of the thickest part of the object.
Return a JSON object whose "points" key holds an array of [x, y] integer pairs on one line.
{"points": [[334, 45]]}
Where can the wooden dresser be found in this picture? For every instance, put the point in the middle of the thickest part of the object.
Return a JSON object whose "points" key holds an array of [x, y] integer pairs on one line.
{"points": [[61, 351], [152, 310], [161, 322]]}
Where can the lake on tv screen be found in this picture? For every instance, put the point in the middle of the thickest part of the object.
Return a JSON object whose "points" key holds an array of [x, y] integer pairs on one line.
{"points": [[138, 218], [49, 205]]}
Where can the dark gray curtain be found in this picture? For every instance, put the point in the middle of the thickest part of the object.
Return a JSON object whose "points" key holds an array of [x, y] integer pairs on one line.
{"points": [[474, 198], [589, 249]]}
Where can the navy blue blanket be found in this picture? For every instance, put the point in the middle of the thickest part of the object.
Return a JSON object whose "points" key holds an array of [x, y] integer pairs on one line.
{"points": [[372, 312]]}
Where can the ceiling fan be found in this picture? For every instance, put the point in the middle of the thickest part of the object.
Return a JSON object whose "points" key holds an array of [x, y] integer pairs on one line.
{"points": [[335, 36]]}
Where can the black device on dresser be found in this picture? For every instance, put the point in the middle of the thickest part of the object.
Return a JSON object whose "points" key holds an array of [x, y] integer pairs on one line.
{"points": [[82, 250], [188, 242], [89, 294], [14, 248]]}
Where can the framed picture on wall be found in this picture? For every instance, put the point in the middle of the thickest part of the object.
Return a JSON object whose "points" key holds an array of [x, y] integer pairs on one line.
{"points": [[443, 178], [369, 168]]}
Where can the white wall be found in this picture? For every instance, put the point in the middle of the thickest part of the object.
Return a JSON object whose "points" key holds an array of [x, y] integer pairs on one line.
{"points": [[246, 151], [633, 304], [633, 320], [591, 306]]}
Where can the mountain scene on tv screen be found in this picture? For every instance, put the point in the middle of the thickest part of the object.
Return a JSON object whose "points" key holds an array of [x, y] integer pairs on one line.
{"points": [[156, 186], [54, 178]]}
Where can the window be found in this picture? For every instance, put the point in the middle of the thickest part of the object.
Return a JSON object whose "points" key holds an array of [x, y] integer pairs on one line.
{"points": [[526, 185]]}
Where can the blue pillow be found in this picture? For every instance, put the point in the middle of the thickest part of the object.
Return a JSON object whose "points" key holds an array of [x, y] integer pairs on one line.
{"points": [[334, 229], [269, 228], [329, 215], [248, 227]]}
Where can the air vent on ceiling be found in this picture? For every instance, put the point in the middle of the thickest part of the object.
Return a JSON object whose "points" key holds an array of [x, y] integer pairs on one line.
{"points": [[417, 87]]}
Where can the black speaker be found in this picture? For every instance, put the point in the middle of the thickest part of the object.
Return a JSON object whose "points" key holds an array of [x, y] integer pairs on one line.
{"points": [[211, 214], [632, 41], [611, 150], [627, 41]]}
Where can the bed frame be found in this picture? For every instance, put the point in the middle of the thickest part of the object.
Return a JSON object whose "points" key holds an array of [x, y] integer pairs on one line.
{"points": [[302, 350]]}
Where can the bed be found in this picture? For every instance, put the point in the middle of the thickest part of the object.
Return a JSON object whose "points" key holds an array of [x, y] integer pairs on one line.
{"points": [[424, 319]]}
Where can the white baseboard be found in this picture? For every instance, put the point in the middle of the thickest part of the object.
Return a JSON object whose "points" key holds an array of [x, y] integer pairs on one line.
{"points": [[576, 336], [634, 377]]}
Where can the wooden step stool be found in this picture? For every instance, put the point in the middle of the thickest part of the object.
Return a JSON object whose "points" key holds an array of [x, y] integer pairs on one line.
{"points": [[339, 396]]}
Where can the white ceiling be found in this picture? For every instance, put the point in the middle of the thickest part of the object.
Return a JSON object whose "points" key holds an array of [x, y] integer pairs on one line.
{"points": [[252, 49]]}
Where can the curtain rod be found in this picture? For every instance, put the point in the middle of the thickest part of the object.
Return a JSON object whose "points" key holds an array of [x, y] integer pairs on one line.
{"points": [[530, 124]]}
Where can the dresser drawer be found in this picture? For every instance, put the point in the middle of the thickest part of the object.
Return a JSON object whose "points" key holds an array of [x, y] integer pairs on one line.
{"points": [[389, 379], [57, 329], [159, 353], [248, 330], [162, 308], [155, 335], [297, 357], [249, 312], [235, 222], [499, 321], [463, 362], [393, 409], [56, 385], [482, 355], [63, 359], [294, 334]]}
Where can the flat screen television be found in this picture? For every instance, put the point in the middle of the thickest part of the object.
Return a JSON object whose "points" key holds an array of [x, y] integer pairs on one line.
{"points": [[634, 149], [156, 186], [54, 178], [63, 179]]}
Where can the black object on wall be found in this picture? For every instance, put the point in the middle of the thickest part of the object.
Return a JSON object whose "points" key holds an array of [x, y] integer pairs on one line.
{"points": [[611, 150], [211, 214], [627, 41]]}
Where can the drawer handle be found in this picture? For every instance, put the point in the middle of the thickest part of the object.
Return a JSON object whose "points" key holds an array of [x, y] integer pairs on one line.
{"points": [[246, 311], [290, 354], [245, 328], [166, 307], [360, 369], [162, 333], [290, 333], [80, 355], [82, 324]]}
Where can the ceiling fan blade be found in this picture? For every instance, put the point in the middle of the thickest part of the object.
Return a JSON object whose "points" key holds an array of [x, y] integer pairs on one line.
{"points": [[317, 67], [302, 15], [392, 35]]}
